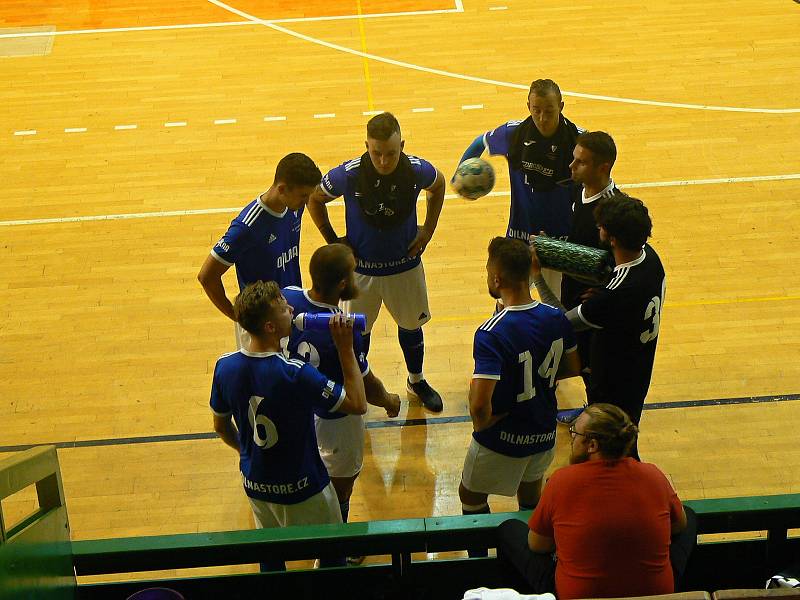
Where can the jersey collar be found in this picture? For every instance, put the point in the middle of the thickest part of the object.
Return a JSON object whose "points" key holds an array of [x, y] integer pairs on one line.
{"points": [[321, 304], [634, 262], [269, 210], [591, 199], [522, 306], [259, 354]]}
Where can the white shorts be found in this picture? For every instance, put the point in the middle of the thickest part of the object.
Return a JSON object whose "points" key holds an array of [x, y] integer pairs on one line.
{"points": [[341, 444], [321, 508], [489, 472], [405, 296]]}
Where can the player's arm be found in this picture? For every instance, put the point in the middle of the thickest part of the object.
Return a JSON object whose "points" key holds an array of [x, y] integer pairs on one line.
{"points": [[210, 277], [480, 403], [319, 214], [570, 365], [355, 400], [540, 544], [226, 430], [474, 150], [378, 396], [548, 297], [434, 201]]}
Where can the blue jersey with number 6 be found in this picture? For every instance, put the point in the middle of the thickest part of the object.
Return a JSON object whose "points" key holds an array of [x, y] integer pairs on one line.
{"points": [[271, 399], [521, 348]]}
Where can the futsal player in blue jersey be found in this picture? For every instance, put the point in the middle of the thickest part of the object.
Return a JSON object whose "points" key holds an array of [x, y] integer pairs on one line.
{"points": [[263, 405], [340, 437], [263, 241], [380, 190], [539, 151], [519, 354]]}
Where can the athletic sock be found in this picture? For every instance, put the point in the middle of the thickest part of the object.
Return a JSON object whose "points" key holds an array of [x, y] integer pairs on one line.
{"points": [[365, 339], [413, 345]]}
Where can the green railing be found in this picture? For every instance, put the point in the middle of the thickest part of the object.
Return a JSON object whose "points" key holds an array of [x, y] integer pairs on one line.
{"points": [[714, 565]]}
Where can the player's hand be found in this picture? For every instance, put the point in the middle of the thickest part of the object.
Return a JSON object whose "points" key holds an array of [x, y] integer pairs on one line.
{"points": [[341, 327], [420, 242], [392, 405], [536, 266], [590, 293]]}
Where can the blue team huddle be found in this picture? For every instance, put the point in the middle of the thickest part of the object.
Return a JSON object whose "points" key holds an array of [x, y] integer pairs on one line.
{"points": [[291, 402]]}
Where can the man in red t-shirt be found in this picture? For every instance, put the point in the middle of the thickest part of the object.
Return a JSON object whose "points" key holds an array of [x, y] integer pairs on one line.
{"points": [[616, 526]]}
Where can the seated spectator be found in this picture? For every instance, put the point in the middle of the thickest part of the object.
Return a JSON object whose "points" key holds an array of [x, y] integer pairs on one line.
{"points": [[606, 525]]}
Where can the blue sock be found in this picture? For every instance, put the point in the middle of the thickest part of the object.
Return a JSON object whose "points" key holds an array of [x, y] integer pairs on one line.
{"points": [[413, 346], [344, 507], [365, 339]]}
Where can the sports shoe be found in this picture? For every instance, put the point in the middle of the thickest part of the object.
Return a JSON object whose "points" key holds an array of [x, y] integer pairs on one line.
{"points": [[429, 397], [568, 416]]}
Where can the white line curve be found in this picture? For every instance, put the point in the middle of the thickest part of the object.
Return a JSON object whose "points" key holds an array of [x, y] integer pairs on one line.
{"points": [[407, 65]]}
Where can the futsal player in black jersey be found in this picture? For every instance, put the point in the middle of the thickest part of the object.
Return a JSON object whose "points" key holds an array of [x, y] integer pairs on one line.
{"points": [[592, 160], [624, 315]]}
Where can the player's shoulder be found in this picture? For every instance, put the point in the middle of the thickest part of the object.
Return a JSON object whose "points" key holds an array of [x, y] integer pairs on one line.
{"points": [[492, 324], [351, 166], [230, 361], [251, 214], [293, 294]]}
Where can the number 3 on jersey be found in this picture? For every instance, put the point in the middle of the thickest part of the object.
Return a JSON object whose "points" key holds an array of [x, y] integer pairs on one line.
{"points": [[547, 370], [653, 311]]}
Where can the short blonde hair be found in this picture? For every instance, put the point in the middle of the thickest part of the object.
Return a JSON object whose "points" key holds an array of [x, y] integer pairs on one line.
{"points": [[252, 307], [612, 428]]}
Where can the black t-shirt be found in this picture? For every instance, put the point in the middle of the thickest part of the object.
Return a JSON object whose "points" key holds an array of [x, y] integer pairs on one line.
{"points": [[625, 318], [583, 231]]}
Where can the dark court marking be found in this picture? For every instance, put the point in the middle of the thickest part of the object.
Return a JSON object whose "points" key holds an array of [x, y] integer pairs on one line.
{"points": [[183, 437]]}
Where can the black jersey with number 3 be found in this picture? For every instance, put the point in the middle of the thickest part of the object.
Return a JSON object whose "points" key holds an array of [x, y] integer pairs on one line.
{"points": [[625, 317]]}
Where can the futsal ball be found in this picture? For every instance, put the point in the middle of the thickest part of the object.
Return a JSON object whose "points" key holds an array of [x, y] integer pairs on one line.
{"points": [[474, 178]]}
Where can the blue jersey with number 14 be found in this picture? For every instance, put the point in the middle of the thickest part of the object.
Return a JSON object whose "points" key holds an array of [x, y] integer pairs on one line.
{"points": [[521, 348]]}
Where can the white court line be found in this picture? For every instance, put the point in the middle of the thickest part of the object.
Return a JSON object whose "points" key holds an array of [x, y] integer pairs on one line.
{"points": [[371, 113], [498, 8], [26, 132], [123, 29], [224, 121], [325, 115], [270, 119], [254, 21], [506, 193], [176, 124], [422, 110], [472, 106], [124, 127], [460, 8], [75, 130]]}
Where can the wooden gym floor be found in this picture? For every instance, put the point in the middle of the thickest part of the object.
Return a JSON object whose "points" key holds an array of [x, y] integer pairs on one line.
{"points": [[132, 132]]}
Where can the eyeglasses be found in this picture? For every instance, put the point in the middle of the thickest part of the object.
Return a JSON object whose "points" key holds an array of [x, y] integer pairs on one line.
{"points": [[573, 433]]}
